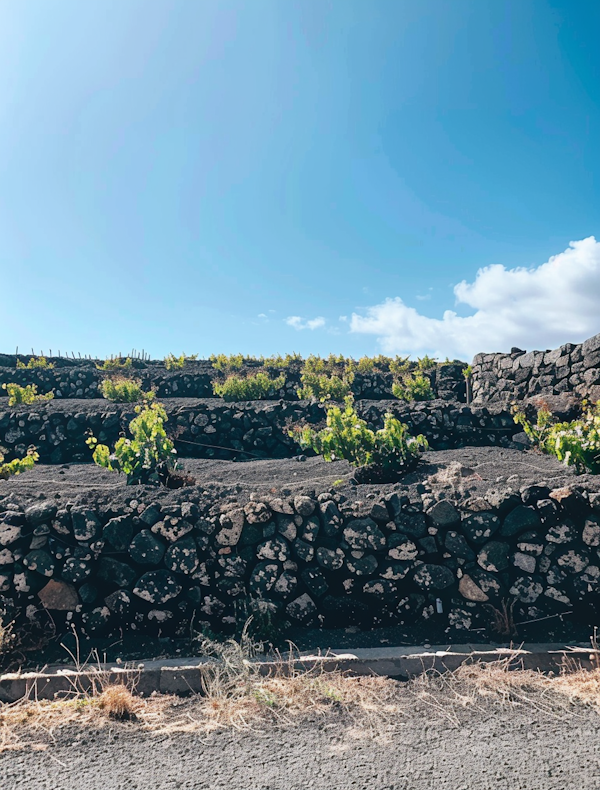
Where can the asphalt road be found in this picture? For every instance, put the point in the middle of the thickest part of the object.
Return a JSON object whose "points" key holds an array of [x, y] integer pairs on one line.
{"points": [[494, 750]]}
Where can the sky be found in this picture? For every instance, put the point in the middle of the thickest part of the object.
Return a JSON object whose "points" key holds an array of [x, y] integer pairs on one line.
{"points": [[317, 176]]}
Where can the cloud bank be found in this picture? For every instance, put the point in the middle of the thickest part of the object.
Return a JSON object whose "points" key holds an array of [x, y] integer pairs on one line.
{"points": [[540, 307], [297, 322]]}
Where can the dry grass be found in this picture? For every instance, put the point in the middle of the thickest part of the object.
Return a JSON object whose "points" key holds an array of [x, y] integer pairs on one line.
{"points": [[237, 696]]}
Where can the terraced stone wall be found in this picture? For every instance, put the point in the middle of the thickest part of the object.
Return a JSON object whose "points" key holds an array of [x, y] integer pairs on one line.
{"points": [[214, 429], [309, 560], [512, 377], [81, 379]]}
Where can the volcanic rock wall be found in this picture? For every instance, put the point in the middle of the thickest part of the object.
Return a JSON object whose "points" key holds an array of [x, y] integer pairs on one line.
{"points": [[213, 429], [512, 377], [310, 560]]}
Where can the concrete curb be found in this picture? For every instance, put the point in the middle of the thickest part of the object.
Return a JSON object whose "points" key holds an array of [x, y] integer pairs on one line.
{"points": [[183, 676]]}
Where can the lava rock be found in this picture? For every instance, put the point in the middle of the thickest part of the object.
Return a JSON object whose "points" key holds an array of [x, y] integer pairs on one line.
{"points": [[433, 577], [364, 534], [115, 573], [181, 556], [146, 548], [479, 527], [493, 556], [157, 587]]}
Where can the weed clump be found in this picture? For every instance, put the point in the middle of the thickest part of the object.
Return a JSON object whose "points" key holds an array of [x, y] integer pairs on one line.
{"points": [[148, 457], [35, 362], [323, 387], [116, 364], [24, 395], [380, 455], [225, 364], [19, 465], [123, 390], [575, 443], [253, 387], [178, 363], [414, 387]]}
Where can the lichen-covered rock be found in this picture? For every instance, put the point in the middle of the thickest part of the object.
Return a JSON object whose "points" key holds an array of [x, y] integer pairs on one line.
{"points": [[172, 528], [433, 577], [75, 570], [9, 534], [146, 548], [157, 587], [182, 556], [263, 577], [362, 566], [315, 581], [232, 524], [40, 561], [119, 532], [40, 513], [470, 590], [527, 589], [302, 608], [86, 524], [274, 549], [401, 547], [493, 556], [457, 545], [257, 512], [479, 527], [304, 505], [364, 534], [444, 515], [331, 559]]}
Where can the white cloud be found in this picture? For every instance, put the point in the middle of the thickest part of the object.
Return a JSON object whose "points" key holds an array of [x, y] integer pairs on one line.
{"points": [[540, 307], [297, 322], [261, 315]]}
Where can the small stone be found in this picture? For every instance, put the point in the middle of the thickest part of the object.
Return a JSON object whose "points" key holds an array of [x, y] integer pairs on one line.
{"points": [[458, 546], [119, 602], [402, 548], [263, 577], [561, 533], [59, 596], [76, 571], [9, 534], [469, 590], [281, 506], [257, 512], [573, 561], [232, 524], [304, 551]]}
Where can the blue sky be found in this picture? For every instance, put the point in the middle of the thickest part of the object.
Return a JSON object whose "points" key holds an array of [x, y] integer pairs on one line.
{"points": [[307, 175]]}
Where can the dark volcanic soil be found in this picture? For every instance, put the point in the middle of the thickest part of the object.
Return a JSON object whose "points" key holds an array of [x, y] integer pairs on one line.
{"points": [[215, 480]]}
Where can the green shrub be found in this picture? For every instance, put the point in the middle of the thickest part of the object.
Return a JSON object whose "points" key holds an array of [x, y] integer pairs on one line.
{"points": [[346, 436], [225, 363], [35, 362], [24, 395], [254, 387], [400, 365], [415, 387], [19, 465], [575, 443], [467, 372], [124, 390], [426, 363], [277, 362], [178, 363], [148, 457], [322, 387], [116, 364]]}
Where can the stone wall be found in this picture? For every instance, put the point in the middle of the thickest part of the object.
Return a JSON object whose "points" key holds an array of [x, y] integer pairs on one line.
{"points": [[81, 379], [311, 560], [512, 377], [214, 429]]}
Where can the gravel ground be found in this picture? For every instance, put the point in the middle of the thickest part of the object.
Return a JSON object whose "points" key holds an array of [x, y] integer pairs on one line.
{"points": [[493, 750], [89, 484]]}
